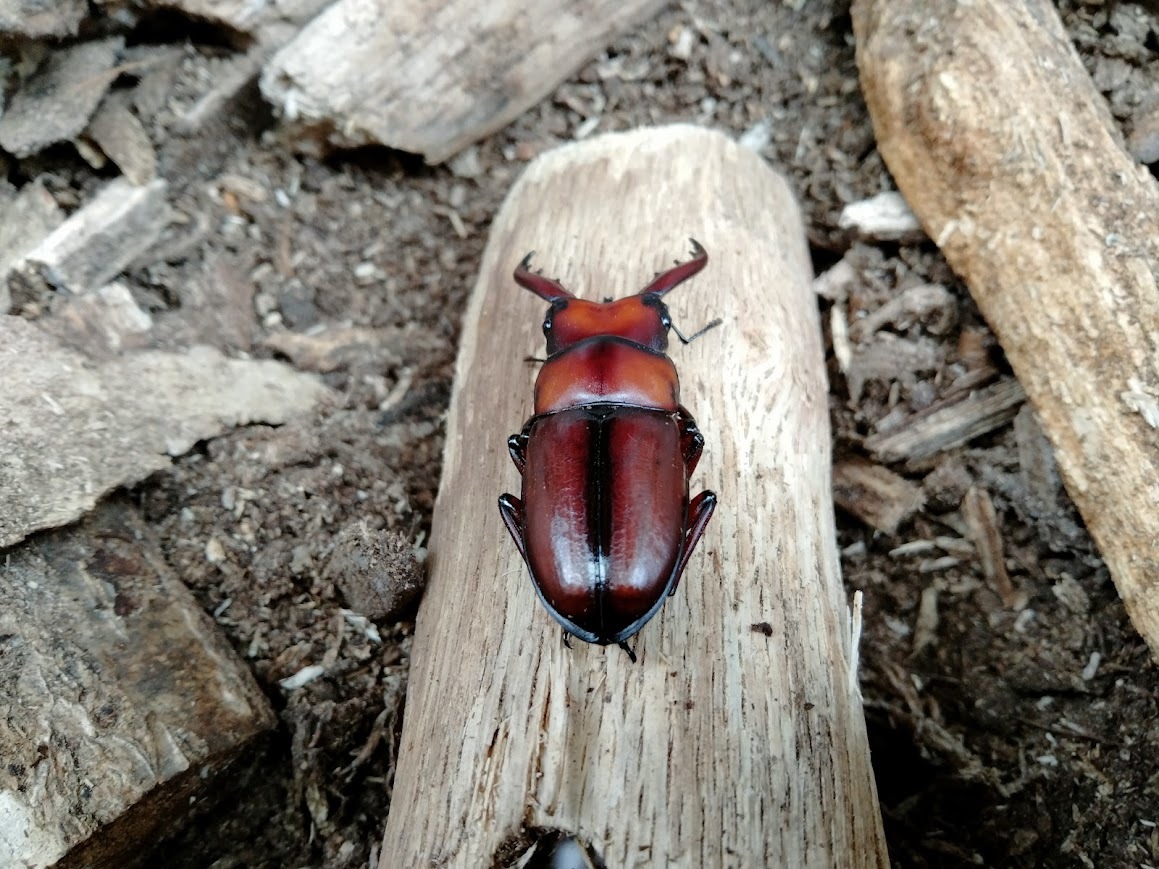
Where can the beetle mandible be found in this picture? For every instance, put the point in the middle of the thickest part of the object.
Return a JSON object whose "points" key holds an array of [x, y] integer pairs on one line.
{"points": [[605, 524]]}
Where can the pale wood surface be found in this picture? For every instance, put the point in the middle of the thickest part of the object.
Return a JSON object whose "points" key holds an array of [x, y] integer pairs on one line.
{"points": [[724, 745], [119, 700], [433, 76], [1009, 156]]}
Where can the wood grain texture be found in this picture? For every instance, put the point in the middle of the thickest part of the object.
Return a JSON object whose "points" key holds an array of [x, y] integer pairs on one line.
{"points": [[1009, 156], [725, 745], [433, 76]]}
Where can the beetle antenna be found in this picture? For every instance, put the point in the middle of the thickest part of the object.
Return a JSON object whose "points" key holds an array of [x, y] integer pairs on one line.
{"points": [[631, 655], [548, 289], [678, 274], [695, 335]]}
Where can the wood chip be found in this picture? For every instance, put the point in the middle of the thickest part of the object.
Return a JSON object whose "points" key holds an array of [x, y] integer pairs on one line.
{"points": [[118, 132], [943, 427], [92, 247], [32, 19], [875, 495], [931, 304], [25, 220], [884, 217], [70, 431], [891, 358], [55, 104], [1036, 465], [433, 76], [926, 623], [982, 521], [835, 283], [121, 700], [102, 323]]}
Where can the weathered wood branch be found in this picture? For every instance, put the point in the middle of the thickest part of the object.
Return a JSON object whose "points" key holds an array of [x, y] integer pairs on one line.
{"points": [[739, 736], [433, 77], [1008, 155]]}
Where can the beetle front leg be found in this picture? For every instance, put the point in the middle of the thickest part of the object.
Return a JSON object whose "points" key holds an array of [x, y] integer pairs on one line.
{"points": [[699, 511], [691, 440]]}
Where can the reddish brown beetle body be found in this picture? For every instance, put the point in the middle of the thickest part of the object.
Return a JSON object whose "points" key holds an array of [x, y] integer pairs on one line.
{"points": [[605, 524]]}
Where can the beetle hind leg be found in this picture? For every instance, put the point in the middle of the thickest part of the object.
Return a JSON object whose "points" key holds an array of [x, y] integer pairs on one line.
{"points": [[511, 509], [699, 511], [628, 650]]}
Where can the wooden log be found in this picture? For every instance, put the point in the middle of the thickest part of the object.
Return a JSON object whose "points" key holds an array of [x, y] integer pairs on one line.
{"points": [[1009, 156], [738, 738], [433, 76], [119, 700]]}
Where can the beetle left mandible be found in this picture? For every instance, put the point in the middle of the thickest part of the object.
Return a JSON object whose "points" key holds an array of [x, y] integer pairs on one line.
{"points": [[605, 524]]}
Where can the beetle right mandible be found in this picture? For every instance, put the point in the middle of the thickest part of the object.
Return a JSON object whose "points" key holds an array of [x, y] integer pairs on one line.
{"points": [[605, 524]]}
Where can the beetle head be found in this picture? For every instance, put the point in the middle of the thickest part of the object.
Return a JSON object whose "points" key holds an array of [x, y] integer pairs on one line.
{"points": [[642, 318]]}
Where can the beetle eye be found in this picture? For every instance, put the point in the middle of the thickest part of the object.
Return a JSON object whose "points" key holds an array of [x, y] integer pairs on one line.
{"points": [[547, 325]]}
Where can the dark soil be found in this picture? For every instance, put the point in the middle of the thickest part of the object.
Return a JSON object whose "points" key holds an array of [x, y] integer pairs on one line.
{"points": [[1003, 737]]}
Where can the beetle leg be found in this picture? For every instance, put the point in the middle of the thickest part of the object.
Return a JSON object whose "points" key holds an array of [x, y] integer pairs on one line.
{"points": [[517, 446], [631, 655], [700, 510], [566, 637], [691, 440], [511, 509]]}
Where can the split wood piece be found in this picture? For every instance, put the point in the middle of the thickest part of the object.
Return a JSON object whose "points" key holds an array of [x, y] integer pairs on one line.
{"points": [[25, 220], [982, 522], [1055, 229], [875, 495], [947, 425], [724, 743], [884, 217], [433, 76], [119, 133], [31, 19], [96, 242], [56, 102], [72, 430], [119, 700]]}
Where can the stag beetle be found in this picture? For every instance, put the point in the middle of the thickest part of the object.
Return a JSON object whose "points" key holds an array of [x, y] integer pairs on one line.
{"points": [[605, 524]]}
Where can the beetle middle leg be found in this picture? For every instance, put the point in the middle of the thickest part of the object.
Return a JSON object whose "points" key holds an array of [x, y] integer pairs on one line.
{"points": [[517, 447], [691, 440]]}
